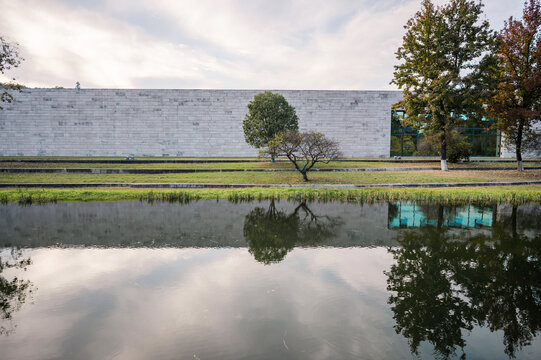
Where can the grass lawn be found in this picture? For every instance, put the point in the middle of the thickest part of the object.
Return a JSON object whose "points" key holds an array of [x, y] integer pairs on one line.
{"points": [[253, 165], [430, 176], [219, 158]]}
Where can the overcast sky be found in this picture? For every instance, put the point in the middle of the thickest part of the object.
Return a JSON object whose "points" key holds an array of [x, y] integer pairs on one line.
{"points": [[233, 44]]}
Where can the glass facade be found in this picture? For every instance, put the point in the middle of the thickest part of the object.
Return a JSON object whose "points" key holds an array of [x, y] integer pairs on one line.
{"points": [[405, 140]]}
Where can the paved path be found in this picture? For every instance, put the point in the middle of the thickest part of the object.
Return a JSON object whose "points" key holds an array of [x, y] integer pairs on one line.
{"points": [[235, 186]]}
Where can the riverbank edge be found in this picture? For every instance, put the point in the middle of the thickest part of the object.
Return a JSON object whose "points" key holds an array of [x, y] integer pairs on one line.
{"points": [[518, 194]]}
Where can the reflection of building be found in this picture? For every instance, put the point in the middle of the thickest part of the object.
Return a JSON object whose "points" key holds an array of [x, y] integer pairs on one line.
{"points": [[408, 215]]}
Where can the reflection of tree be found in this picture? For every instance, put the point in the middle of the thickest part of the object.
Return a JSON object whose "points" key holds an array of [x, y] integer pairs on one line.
{"points": [[272, 233], [428, 305], [444, 286], [13, 292]]}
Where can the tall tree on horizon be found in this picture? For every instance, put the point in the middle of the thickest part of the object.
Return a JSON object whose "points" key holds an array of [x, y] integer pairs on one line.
{"points": [[516, 101], [443, 57], [9, 58]]}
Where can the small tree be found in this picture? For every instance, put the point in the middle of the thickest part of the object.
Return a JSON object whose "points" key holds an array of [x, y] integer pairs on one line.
{"points": [[516, 102], [268, 115], [443, 61], [304, 150], [9, 58]]}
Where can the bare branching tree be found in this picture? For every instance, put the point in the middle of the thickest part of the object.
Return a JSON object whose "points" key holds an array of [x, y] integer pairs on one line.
{"points": [[304, 150]]}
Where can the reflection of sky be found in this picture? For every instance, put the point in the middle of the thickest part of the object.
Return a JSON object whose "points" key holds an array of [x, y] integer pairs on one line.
{"points": [[211, 303]]}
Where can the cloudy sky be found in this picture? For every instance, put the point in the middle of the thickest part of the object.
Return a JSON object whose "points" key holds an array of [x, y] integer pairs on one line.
{"points": [[234, 44]]}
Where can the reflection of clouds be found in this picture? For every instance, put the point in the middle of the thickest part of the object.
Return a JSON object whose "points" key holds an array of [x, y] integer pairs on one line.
{"points": [[360, 273], [213, 303]]}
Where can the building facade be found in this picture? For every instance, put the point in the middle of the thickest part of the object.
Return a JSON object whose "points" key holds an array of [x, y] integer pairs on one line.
{"points": [[117, 122]]}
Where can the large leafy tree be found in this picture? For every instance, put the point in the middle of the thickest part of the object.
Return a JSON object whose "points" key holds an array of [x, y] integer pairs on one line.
{"points": [[268, 115], [9, 58], [443, 56], [516, 101]]}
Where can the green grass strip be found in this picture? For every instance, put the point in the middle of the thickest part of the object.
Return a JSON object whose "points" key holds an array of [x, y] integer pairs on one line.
{"points": [[505, 194]]}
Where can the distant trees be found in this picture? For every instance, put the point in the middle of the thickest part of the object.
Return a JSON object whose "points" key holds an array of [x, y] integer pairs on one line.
{"points": [[443, 57], [516, 100], [304, 150], [268, 115], [9, 58]]}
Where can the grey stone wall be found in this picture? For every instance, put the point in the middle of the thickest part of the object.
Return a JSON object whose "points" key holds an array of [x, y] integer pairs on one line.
{"points": [[108, 122]]}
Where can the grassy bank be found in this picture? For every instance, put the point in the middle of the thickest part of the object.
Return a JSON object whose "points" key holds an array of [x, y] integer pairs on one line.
{"points": [[280, 178], [510, 194]]}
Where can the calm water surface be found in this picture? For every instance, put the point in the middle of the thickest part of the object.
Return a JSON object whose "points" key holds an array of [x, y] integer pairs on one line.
{"points": [[269, 280]]}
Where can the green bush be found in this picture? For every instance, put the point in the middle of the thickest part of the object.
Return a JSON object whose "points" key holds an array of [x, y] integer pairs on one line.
{"points": [[458, 148]]}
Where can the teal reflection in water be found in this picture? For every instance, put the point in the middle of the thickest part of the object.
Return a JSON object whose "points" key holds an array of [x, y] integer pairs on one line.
{"points": [[410, 214]]}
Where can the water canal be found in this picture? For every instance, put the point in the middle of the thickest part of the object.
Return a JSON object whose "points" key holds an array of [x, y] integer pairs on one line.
{"points": [[269, 279]]}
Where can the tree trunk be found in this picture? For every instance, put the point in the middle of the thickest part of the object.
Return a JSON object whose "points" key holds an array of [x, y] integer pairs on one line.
{"points": [[440, 216], [514, 221], [518, 147], [443, 152], [304, 176]]}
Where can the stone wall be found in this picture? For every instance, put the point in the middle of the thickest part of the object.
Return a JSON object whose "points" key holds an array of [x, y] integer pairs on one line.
{"points": [[509, 151], [107, 122]]}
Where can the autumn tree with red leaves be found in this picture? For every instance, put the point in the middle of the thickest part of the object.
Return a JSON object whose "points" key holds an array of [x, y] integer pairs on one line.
{"points": [[516, 101]]}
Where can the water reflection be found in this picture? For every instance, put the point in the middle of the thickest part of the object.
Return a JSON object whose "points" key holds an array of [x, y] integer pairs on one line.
{"points": [[13, 290], [136, 280], [410, 214], [272, 233], [445, 283]]}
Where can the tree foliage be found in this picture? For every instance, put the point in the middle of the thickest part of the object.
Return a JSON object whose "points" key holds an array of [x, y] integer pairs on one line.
{"points": [[516, 101], [443, 58], [9, 58], [268, 115], [304, 150]]}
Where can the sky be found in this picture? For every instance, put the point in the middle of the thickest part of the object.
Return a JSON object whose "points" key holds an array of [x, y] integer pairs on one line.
{"points": [[213, 44]]}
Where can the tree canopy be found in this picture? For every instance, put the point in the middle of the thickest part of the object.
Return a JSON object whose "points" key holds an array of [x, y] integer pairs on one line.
{"points": [[516, 100], [443, 57], [268, 115], [9, 58], [304, 150]]}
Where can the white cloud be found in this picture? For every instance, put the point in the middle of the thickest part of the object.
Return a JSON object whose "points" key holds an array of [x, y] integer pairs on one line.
{"points": [[303, 44]]}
